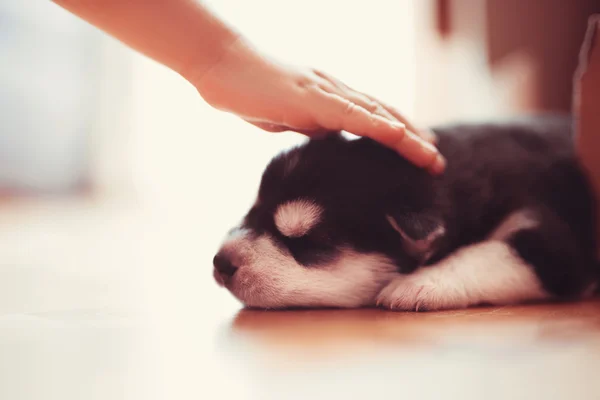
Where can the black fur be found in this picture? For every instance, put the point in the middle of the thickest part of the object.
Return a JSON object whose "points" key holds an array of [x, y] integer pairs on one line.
{"points": [[493, 170]]}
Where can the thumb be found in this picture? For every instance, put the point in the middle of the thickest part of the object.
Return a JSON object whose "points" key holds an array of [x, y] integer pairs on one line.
{"points": [[269, 127], [276, 128]]}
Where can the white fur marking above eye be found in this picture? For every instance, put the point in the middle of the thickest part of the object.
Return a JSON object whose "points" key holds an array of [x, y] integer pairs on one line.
{"points": [[297, 217]]}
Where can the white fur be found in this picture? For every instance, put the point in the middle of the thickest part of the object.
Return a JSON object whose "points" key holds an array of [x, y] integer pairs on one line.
{"points": [[517, 221], [297, 217], [269, 277], [486, 272]]}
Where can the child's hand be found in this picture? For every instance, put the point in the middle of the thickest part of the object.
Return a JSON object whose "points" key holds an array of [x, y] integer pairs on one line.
{"points": [[277, 97]]}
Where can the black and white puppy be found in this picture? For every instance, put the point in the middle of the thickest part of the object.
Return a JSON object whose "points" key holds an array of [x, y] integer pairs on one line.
{"points": [[349, 223]]}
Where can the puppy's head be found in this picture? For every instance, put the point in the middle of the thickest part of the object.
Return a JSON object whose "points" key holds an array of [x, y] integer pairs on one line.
{"points": [[333, 222]]}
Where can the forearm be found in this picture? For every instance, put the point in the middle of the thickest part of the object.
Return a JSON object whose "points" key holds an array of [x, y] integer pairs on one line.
{"points": [[181, 34], [232, 75]]}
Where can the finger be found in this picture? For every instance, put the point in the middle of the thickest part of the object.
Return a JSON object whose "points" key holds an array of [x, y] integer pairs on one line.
{"points": [[269, 127], [359, 99], [377, 106], [357, 120], [334, 85], [334, 81], [426, 134], [369, 104], [316, 132]]}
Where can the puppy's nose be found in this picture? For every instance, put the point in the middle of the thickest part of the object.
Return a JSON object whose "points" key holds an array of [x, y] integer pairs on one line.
{"points": [[224, 266]]}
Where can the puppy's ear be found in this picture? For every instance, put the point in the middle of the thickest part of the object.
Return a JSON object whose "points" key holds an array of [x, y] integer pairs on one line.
{"points": [[420, 233]]}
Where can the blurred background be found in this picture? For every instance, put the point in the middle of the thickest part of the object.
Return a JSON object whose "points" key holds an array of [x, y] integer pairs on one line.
{"points": [[117, 182]]}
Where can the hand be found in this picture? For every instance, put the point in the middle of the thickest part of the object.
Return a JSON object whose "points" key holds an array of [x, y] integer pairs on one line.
{"points": [[277, 97]]}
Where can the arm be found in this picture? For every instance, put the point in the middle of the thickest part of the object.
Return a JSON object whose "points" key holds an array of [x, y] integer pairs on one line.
{"points": [[233, 76], [183, 35]]}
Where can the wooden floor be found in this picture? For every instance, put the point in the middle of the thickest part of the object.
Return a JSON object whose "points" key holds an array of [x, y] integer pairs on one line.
{"points": [[529, 352], [98, 304], [310, 330]]}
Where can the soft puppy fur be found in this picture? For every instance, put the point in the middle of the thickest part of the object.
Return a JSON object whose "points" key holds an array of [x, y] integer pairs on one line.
{"points": [[350, 223]]}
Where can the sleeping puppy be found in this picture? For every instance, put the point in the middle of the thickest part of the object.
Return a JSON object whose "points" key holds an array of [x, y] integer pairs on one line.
{"points": [[350, 223]]}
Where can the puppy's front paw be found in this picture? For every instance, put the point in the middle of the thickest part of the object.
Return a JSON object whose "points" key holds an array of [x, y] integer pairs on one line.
{"points": [[408, 294], [421, 292]]}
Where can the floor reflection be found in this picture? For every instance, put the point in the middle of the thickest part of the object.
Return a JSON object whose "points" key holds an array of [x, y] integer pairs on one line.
{"points": [[534, 351], [308, 330]]}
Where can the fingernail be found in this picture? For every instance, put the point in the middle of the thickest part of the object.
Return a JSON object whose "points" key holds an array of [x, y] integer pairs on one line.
{"points": [[429, 136], [429, 148], [398, 125], [439, 165]]}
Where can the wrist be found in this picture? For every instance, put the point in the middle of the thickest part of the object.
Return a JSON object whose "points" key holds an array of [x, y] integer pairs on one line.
{"points": [[199, 63], [235, 73]]}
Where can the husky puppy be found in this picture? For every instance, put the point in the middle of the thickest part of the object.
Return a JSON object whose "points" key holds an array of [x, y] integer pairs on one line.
{"points": [[350, 223]]}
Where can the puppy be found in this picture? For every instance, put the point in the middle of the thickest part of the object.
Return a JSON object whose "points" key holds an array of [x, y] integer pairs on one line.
{"points": [[350, 223]]}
